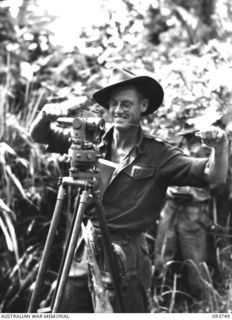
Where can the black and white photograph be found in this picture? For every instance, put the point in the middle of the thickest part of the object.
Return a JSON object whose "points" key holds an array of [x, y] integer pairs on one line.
{"points": [[115, 158]]}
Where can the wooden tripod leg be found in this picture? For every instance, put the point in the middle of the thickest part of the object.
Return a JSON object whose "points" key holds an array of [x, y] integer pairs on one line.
{"points": [[46, 252]]}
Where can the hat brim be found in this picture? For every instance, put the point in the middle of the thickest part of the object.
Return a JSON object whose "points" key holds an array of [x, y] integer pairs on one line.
{"points": [[151, 89]]}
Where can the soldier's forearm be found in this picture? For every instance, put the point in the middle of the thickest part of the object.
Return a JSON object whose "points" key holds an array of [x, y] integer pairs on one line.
{"points": [[217, 166], [40, 129]]}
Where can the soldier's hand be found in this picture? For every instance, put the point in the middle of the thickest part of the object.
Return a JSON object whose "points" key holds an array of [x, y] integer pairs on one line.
{"points": [[214, 137], [63, 109], [52, 111]]}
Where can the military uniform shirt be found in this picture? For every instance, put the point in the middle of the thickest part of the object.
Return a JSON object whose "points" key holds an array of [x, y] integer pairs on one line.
{"points": [[136, 191]]}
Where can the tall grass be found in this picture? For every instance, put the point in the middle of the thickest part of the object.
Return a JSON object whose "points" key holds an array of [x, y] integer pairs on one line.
{"points": [[28, 185], [27, 176], [25, 172], [216, 296]]}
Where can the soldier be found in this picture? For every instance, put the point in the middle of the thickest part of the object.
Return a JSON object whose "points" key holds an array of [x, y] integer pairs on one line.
{"points": [[185, 223], [143, 169]]}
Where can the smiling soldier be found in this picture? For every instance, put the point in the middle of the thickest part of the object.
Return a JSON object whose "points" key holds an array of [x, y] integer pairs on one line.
{"points": [[133, 198]]}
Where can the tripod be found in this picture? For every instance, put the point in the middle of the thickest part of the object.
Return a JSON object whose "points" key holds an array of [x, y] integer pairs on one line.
{"points": [[83, 175], [87, 188]]}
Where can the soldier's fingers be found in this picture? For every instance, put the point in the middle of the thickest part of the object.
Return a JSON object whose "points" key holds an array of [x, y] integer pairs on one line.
{"points": [[220, 135], [214, 134], [206, 135]]}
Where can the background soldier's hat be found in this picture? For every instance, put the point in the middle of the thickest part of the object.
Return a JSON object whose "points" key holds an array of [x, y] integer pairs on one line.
{"points": [[120, 77]]}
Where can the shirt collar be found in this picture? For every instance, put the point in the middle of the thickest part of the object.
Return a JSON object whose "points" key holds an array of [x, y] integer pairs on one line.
{"points": [[139, 147], [108, 136]]}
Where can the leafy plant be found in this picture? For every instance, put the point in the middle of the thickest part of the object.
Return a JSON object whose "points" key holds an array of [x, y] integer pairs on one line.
{"points": [[33, 71]]}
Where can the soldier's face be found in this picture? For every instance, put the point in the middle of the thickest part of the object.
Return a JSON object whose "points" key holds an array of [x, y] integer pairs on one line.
{"points": [[126, 107]]}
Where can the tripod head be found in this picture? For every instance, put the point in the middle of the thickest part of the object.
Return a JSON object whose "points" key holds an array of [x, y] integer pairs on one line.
{"points": [[86, 135]]}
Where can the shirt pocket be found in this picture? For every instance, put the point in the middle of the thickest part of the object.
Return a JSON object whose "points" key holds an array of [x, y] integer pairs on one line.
{"points": [[140, 172]]}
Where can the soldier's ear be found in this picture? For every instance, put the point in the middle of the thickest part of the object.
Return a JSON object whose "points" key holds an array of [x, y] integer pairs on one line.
{"points": [[144, 105]]}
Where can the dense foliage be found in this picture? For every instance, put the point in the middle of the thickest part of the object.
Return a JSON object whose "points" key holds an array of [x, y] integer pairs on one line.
{"points": [[184, 44]]}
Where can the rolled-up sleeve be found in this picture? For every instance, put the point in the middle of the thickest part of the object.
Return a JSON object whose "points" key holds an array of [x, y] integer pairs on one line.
{"points": [[176, 168], [59, 140]]}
